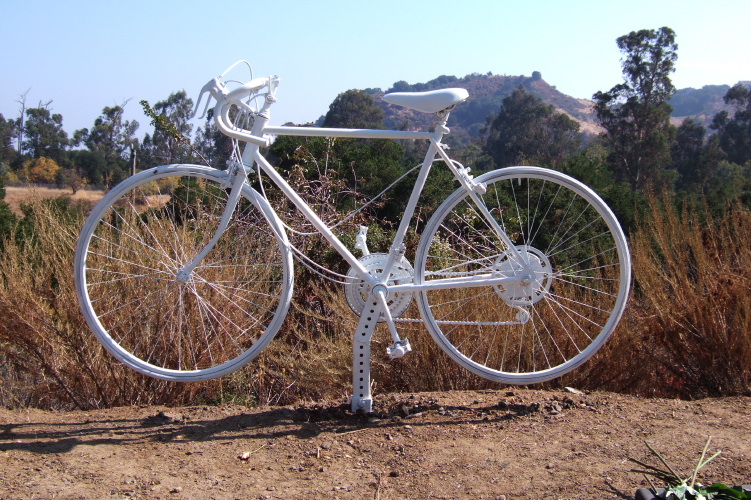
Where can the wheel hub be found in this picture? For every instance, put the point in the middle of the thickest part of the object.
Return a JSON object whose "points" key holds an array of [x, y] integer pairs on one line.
{"points": [[534, 279], [357, 291], [182, 277]]}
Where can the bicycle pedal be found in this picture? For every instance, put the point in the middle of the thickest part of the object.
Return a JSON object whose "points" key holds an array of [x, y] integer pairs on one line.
{"points": [[398, 349]]}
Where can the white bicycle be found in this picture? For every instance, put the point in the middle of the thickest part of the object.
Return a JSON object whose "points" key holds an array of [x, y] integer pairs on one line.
{"points": [[184, 272]]}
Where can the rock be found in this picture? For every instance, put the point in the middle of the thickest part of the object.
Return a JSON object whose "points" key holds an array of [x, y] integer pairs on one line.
{"points": [[572, 390]]}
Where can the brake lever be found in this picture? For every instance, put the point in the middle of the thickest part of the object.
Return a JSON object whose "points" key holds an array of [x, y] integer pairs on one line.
{"points": [[215, 89]]}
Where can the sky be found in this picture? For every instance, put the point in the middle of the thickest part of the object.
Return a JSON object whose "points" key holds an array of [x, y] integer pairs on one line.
{"points": [[85, 55]]}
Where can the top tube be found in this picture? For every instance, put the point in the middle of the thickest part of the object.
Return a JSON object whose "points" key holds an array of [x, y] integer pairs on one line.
{"points": [[347, 132]]}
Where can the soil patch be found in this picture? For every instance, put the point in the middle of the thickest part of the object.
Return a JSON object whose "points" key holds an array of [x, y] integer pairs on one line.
{"points": [[503, 444]]}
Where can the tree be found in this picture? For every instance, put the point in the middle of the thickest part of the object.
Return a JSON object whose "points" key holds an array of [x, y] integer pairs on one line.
{"points": [[214, 146], [354, 109], [7, 217], [528, 131], [735, 133], [163, 147], [111, 136], [72, 178], [44, 134], [635, 114], [19, 124], [7, 132], [93, 167], [42, 170], [694, 159]]}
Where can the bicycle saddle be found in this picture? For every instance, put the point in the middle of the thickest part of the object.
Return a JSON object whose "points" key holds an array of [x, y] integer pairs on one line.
{"points": [[428, 102]]}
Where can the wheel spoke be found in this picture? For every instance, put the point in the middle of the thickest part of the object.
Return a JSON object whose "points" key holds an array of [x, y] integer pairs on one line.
{"points": [[567, 295], [131, 254]]}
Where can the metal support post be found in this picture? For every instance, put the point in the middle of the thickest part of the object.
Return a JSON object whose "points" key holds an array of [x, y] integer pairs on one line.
{"points": [[361, 399]]}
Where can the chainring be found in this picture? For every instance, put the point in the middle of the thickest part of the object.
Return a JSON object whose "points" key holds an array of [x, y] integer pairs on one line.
{"points": [[357, 291]]}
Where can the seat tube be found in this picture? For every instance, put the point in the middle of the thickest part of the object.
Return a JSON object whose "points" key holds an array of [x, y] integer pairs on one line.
{"points": [[396, 250]]}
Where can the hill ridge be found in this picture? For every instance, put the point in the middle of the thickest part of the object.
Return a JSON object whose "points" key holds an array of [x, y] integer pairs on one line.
{"points": [[487, 91]]}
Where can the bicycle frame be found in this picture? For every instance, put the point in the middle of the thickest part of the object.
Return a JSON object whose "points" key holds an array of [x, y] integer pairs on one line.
{"points": [[181, 281], [435, 151], [257, 137]]}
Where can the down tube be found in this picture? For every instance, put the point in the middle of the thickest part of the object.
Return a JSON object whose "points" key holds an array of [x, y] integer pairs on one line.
{"points": [[312, 217]]}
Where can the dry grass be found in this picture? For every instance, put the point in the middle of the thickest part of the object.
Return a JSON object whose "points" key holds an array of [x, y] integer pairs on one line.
{"points": [[15, 196], [686, 331]]}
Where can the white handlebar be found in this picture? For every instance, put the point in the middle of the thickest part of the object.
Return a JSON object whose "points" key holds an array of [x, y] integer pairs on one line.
{"points": [[225, 99], [216, 89], [248, 88]]}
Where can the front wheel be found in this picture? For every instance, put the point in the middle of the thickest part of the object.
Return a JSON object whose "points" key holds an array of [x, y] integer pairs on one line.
{"points": [[566, 280], [152, 314]]}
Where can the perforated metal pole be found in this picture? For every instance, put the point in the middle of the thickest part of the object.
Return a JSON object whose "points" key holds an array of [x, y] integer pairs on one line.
{"points": [[361, 399]]}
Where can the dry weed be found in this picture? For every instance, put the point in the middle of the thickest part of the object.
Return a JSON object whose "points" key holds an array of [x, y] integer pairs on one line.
{"points": [[686, 331]]}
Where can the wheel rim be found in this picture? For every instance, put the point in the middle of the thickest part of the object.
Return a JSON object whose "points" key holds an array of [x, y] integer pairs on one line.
{"points": [[576, 291], [151, 314]]}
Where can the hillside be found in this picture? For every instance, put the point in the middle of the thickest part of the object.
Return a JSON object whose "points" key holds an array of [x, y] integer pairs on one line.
{"points": [[486, 92], [700, 104]]}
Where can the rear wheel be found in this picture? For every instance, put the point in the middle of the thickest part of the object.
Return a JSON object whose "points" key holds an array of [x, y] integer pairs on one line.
{"points": [[566, 292], [142, 304]]}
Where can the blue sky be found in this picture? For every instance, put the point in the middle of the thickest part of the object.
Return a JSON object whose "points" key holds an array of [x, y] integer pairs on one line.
{"points": [[86, 55]]}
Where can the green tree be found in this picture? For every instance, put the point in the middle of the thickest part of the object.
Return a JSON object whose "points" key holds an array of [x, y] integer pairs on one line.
{"points": [[694, 159], [635, 114], [361, 169], [214, 146], [162, 147], [735, 133], [7, 132], [111, 136], [7, 217], [93, 167], [528, 131], [44, 134], [354, 109]]}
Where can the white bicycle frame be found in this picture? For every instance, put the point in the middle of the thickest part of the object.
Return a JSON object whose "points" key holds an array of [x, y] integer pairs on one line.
{"points": [[261, 135]]}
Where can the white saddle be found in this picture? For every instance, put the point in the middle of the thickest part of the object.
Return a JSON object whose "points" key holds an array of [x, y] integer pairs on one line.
{"points": [[427, 102]]}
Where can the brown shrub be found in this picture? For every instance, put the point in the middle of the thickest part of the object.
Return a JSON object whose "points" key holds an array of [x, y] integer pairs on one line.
{"points": [[687, 329]]}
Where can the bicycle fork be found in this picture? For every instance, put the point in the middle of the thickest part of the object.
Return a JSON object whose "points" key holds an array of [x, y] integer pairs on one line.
{"points": [[236, 178]]}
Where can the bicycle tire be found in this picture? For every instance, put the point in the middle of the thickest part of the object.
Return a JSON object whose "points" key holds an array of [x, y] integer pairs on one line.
{"points": [[567, 300], [209, 323]]}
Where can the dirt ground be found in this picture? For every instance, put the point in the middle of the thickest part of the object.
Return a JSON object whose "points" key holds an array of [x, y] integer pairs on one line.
{"points": [[503, 444]]}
